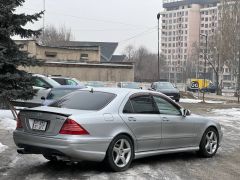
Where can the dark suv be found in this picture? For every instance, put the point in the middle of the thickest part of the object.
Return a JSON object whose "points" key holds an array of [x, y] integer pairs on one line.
{"points": [[166, 88]]}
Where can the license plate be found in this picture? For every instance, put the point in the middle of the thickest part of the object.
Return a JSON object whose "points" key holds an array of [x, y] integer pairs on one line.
{"points": [[39, 125]]}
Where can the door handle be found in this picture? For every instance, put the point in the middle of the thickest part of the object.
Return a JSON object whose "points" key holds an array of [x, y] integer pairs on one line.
{"points": [[165, 119], [132, 119]]}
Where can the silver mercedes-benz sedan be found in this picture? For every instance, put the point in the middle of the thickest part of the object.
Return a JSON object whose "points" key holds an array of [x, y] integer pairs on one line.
{"points": [[114, 125]]}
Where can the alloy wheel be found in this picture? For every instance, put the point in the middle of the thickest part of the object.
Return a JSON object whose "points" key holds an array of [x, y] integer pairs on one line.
{"points": [[121, 153], [211, 142]]}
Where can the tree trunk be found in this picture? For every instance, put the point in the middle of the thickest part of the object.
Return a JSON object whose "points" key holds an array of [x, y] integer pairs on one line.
{"points": [[12, 108]]}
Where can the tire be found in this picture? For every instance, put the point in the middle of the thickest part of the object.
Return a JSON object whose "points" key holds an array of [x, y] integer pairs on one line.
{"points": [[50, 158], [120, 153], [209, 144]]}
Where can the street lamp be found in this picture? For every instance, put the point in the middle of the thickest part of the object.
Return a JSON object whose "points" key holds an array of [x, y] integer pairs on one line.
{"points": [[205, 63], [158, 18]]}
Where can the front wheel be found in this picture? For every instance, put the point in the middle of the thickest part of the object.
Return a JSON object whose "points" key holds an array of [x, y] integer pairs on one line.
{"points": [[209, 143], [120, 153]]}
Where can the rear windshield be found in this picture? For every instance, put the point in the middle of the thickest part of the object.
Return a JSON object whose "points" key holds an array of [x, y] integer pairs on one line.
{"points": [[85, 100], [58, 93]]}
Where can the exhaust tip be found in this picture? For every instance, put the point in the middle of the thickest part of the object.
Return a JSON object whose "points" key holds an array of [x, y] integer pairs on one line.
{"points": [[21, 151]]}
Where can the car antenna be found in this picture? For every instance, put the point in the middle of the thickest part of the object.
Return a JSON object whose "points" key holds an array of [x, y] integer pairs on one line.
{"points": [[91, 91]]}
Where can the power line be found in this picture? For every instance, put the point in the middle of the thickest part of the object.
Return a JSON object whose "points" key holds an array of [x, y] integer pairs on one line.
{"points": [[91, 19], [150, 30]]}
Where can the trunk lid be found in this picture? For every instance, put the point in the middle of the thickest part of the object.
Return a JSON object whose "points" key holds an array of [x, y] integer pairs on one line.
{"points": [[46, 121]]}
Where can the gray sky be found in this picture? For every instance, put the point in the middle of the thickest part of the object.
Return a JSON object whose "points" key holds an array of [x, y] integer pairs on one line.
{"points": [[124, 21]]}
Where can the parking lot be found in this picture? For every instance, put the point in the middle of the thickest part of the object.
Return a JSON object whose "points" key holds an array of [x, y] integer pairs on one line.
{"points": [[225, 165]]}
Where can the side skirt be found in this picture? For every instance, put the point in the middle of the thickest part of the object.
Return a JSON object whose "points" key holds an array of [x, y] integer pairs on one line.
{"points": [[168, 151]]}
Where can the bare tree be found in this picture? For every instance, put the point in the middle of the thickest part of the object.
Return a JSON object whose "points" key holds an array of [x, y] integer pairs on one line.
{"points": [[51, 35], [145, 63]]}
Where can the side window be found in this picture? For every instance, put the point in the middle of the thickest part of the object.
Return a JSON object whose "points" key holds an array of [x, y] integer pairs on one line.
{"points": [[143, 105], [40, 83], [166, 107], [71, 82], [128, 107]]}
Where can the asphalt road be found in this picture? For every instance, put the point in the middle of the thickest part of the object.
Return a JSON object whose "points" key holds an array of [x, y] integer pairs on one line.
{"points": [[224, 166]]}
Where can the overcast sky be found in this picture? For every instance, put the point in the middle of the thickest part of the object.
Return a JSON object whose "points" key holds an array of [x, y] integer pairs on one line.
{"points": [[124, 21]]}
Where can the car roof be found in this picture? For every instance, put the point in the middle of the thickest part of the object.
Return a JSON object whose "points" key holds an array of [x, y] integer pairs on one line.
{"points": [[119, 91], [68, 87]]}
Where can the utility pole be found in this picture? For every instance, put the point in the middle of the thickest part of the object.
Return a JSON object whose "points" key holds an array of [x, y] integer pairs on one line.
{"points": [[44, 9], [205, 62], [158, 18]]}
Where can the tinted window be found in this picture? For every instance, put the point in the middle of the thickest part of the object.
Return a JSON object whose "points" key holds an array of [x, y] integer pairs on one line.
{"points": [[60, 81], [128, 108], [143, 105], [165, 107], [58, 93], [85, 100]]}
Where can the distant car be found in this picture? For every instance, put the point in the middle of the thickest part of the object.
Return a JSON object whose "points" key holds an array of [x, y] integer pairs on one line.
{"points": [[94, 84], [41, 81], [66, 81], [166, 88], [58, 92], [114, 125], [131, 85], [211, 88]]}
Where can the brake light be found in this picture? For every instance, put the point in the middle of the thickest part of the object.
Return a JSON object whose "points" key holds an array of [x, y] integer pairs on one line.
{"points": [[71, 127], [19, 122]]}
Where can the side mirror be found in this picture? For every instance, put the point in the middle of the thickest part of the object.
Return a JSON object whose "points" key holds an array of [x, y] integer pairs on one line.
{"points": [[185, 112], [46, 87], [43, 98]]}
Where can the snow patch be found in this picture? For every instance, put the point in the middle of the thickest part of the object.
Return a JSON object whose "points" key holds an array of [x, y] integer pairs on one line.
{"points": [[2, 147], [6, 120], [198, 101]]}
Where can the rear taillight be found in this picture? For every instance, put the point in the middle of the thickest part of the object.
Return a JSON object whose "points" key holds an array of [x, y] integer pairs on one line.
{"points": [[71, 127], [19, 123]]}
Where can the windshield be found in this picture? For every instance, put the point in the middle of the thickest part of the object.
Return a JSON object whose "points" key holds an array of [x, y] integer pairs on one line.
{"points": [[58, 93], [85, 100], [130, 85], [164, 85], [51, 81]]}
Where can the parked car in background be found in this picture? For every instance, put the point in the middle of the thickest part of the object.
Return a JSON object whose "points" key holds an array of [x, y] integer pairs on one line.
{"points": [[211, 88], [58, 92], [94, 84], [66, 81], [131, 85], [41, 81], [116, 125], [166, 88]]}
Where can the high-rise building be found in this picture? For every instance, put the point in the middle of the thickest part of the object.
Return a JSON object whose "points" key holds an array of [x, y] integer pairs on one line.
{"points": [[184, 22]]}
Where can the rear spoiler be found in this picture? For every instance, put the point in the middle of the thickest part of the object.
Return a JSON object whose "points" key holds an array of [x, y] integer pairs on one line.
{"points": [[39, 111]]}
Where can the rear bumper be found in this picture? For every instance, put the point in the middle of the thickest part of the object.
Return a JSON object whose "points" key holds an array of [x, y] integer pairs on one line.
{"points": [[72, 147]]}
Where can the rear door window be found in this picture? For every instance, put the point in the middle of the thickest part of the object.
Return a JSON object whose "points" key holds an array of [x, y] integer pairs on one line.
{"points": [[143, 105], [85, 100]]}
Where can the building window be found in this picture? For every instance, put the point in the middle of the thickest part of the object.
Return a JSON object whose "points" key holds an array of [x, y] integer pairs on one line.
{"points": [[50, 54], [84, 57]]}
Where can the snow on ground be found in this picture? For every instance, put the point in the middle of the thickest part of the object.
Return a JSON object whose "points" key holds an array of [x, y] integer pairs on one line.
{"points": [[2, 147], [230, 122], [6, 120], [198, 101]]}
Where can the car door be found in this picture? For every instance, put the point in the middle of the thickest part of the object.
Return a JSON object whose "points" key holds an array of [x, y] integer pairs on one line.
{"points": [[177, 131], [142, 117]]}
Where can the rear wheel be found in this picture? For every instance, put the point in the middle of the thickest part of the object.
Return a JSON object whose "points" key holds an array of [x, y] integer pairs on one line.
{"points": [[120, 153], [209, 143]]}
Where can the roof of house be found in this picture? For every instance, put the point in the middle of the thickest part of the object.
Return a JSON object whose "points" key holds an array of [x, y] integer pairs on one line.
{"points": [[107, 48], [118, 58]]}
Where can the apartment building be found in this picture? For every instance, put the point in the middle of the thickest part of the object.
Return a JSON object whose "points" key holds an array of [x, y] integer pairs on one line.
{"points": [[183, 22]]}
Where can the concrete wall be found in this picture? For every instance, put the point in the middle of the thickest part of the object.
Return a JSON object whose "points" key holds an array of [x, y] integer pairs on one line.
{"points": [[87, 72]]}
